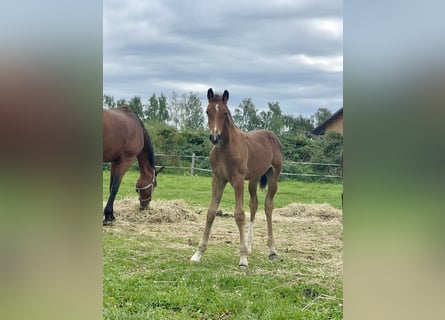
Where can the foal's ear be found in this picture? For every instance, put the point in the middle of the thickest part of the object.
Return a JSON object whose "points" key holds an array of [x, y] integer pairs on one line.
{"points": [[225, 96], [158, 171], [210, 94]]}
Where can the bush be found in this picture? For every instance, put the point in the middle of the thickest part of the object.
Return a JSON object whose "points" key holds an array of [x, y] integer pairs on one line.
{"points": [[180, 145]]}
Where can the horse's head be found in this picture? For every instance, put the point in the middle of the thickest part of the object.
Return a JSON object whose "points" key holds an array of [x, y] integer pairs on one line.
{"points": [[217, 112], [145, 190]]}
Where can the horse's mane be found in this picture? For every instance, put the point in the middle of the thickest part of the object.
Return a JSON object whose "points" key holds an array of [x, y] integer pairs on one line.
{"points": [[148, 145], [147, 140]]}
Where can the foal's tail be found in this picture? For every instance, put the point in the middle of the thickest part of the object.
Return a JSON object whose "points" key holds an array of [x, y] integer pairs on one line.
{"points": [[263, 179]]}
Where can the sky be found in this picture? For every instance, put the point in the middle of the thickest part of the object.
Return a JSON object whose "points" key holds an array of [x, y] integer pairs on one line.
{"points": [[286, 51]]}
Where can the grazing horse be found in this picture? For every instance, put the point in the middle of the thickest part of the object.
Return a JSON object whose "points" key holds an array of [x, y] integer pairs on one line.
{"points": [[237, 156], [124, 138]]}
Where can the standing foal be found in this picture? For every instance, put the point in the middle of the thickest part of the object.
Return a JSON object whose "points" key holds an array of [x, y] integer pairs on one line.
{"points": [[237, 156]]}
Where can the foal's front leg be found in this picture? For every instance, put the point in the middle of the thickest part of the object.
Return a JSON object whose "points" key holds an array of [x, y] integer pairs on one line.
{"points": [[240, 219], [217, 191]]}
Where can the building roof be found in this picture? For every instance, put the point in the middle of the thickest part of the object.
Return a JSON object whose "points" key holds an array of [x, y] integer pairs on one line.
{"points": [[321, 129]]}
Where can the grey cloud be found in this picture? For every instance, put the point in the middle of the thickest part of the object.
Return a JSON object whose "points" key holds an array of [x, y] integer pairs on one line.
{"points": [[243, 46]]}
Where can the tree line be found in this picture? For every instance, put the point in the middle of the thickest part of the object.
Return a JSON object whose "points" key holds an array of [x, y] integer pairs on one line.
{"points": [[186, 112], [177, 126]]}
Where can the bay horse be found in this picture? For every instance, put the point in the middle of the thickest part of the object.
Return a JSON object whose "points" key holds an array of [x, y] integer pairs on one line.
{"points": [[237, 156], [124, 138]]}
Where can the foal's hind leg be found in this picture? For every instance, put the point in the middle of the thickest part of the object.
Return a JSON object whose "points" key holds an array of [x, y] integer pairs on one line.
{"points": [[253, 205], [217, 192], [272, 186]]}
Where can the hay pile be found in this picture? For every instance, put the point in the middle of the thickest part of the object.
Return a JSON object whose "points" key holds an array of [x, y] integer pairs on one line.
{"points": [[322, 211], [160, 211], [171, 211]]}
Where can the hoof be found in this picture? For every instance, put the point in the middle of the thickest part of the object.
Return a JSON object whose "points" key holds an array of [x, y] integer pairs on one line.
{"points": [[196, 257], [243, 266], [108, 222], [273, 257]]}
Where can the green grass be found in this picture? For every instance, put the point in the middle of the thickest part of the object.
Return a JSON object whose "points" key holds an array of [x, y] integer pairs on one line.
{"points": [[148, 275], [144, 279], [197, 190]]}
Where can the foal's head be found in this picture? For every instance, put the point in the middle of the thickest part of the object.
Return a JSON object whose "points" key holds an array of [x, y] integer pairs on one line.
{"points": [[217, 112]]}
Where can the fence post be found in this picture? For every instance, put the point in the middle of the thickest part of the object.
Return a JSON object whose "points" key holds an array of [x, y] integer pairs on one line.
{"points": [[192, 168]]}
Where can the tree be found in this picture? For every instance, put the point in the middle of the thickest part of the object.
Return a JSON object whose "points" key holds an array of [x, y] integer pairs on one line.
{"points": [[162, 111], [121, 103], [135, 104], [265, 119], [186, 111], [321, 116], [246, 117], [156, 109], [108, 102], [174, 110], [273, 118], [276, 123], [327, 150], [152, 108], [297, 125], [192, 112]]}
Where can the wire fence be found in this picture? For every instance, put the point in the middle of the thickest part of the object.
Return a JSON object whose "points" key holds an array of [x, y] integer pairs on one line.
{"points": [[200, 165]]}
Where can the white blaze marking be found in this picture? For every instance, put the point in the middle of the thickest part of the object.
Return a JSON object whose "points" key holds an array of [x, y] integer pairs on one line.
{"points": [[217, 107]]}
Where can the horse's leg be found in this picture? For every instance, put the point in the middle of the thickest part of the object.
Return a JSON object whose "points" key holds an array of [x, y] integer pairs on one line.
{"points": [[217, 192], [253, 205], [118, 170], [112, 174], [272, 186], [238, 186], [108, 211]]}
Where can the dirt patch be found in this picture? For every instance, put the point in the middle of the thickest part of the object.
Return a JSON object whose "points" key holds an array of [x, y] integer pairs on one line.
{"points": [[323, 211]]}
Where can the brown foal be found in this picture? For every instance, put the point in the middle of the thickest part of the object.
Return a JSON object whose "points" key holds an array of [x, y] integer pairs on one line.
{"points": [[238, 156]]}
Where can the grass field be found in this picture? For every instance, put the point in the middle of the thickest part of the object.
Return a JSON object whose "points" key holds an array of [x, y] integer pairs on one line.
{"points": [[147, 273], [196, 190]]}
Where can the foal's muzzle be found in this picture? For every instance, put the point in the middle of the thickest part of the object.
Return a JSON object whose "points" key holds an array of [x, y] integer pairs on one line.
{"points": [[215, 140]]}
